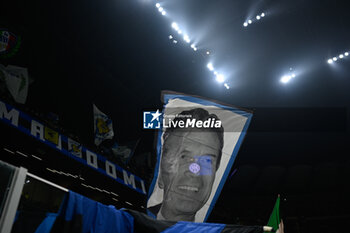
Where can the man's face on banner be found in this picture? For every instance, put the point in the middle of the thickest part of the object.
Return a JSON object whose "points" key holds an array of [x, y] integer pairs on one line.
{"points": [[188, 167]]}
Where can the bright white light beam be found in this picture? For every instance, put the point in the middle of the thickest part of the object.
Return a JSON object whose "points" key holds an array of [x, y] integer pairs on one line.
{"points": [[286, 78], [220, 78], [175, 26], [210, 66], [187, 39]]}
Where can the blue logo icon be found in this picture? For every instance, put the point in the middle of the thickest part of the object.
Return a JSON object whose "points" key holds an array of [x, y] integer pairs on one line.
{"points": [[151, 120]]}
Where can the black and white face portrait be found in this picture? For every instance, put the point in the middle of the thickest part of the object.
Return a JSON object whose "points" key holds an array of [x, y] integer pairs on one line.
{"points": [[187, 171], [193, 162]]}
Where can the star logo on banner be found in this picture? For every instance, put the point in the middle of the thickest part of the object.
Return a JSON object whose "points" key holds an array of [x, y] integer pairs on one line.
{"points": [[156, 115]]}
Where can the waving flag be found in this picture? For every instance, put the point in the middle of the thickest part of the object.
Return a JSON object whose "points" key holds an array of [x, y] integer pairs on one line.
{"points": [[125, 151], [103, 127], [275, 221], [17, 82]]}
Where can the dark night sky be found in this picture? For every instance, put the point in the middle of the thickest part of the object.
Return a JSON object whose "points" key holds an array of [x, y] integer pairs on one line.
{"points": [[117, 54]]}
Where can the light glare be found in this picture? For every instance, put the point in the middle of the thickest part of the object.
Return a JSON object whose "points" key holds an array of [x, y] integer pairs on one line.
{"points": [[330, 61], [335, 59], [170, 37], [341, 56], [186, 38], [175, 26], [245, 24], [258, 17], [220, 78], [262, 14], [210, 66], [346, 54], [249, 21], [160, 9], [286, 78], [157, 5]]}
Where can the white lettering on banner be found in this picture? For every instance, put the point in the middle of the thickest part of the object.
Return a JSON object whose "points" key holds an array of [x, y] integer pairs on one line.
{"points": [[59, 145], [36, 129], [91, 159], [12, 115], [143, 187], [110, 166], [129, 179]]}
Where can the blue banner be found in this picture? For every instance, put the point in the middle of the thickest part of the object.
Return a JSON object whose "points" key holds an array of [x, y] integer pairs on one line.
{"points": [[69, 147]]}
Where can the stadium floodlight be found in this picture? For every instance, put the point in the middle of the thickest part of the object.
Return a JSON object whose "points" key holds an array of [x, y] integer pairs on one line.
{"points": [[170, 37], [210, 66], [245, 24], [187, 39], [175, 41], [286, 78], [193, 46], [160, 9], [179, 31], [249, 21], [263, 14], [208, 52], [258, 17], [195, 49], [175, 26], [220, 78], [341, 56], [330, 61], [346, 54], [335, 59], [293, 75], [216, 73], [163, 12], [227, 86], [157, 5]]}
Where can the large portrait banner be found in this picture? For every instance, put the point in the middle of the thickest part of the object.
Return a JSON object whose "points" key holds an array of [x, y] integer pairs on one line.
{"points": [[197, 144]]}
